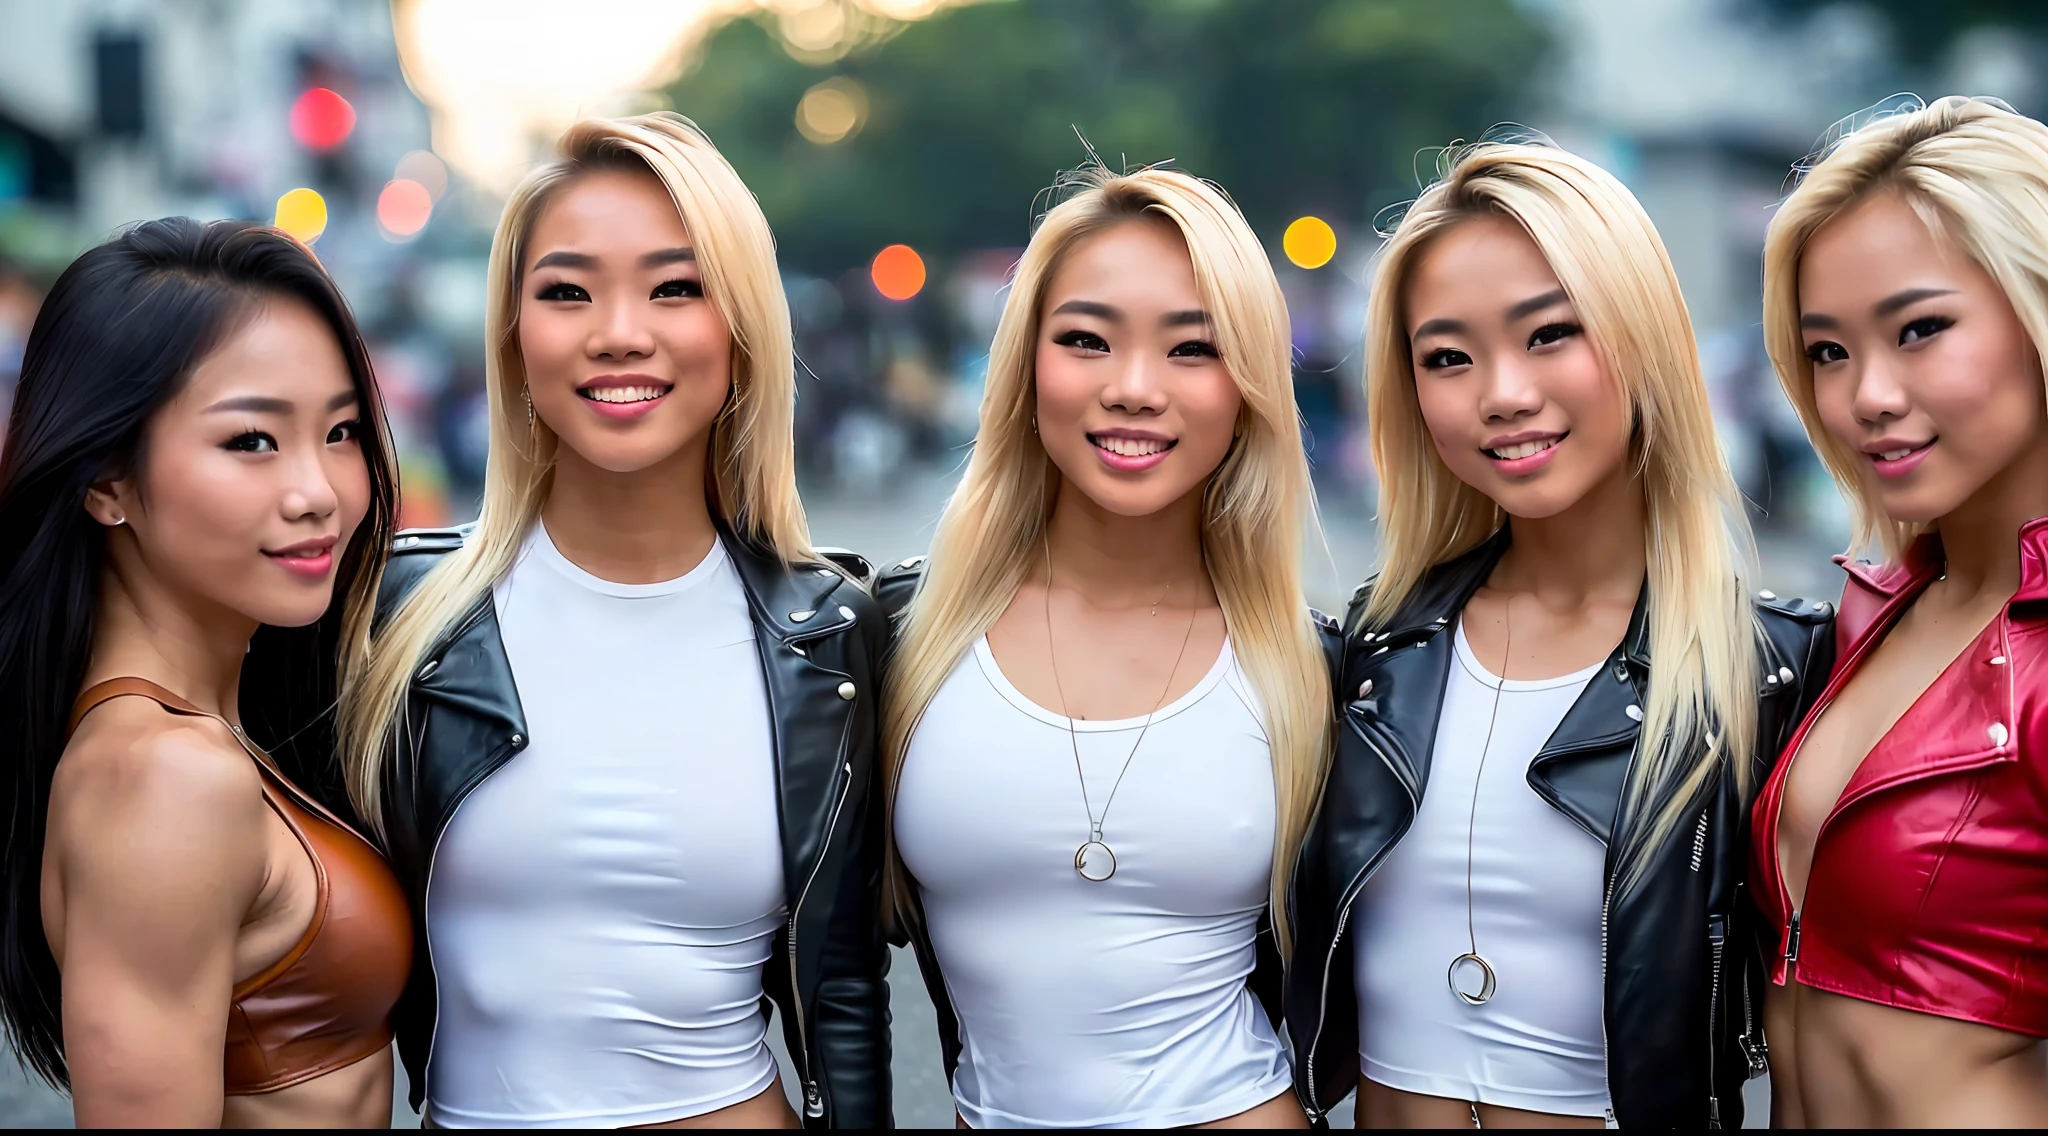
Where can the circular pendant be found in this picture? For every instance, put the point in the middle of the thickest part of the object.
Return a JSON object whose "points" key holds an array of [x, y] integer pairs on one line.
{"points": [[1469, 967], [1095, 861]]}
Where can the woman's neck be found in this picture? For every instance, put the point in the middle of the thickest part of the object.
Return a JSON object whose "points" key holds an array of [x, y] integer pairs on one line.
{"points": [[1117, 561], [1980, 538], [1593, 550], [185, 644], [641, 527]]}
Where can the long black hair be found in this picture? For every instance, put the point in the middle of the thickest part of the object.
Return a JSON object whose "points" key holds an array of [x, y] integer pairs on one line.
{"points": [[118, 336]]}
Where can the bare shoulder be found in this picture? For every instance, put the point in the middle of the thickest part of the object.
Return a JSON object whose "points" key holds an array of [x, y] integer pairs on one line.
{"points": [[170, 784]]}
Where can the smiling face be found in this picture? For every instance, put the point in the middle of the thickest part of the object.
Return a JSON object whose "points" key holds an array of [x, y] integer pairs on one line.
{"points": [[626, 360], [1134, 403], [1515, 395], [1920, 365], [251, 481]]}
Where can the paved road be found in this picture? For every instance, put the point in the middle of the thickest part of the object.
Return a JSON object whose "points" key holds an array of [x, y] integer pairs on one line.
{"points": [[888, 527]]}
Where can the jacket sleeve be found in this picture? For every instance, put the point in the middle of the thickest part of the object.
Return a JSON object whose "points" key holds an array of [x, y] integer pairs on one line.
{"points": [[853, 993]]}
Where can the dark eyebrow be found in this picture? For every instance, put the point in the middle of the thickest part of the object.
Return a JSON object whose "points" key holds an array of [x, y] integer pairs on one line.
{"points": [[1438, 327], [1815, 321], [1897, 300], [566, 260], [1535, 304], [259, 404], [256, 404], [1191, 317], [669, 256], [1090, 308]]}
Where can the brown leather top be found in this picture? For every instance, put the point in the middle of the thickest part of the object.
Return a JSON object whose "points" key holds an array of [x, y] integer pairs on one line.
{"points": [[327, 1003]]}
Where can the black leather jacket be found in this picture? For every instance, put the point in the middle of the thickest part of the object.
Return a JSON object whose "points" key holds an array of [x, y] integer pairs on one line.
{"points": [[821, 640], [894, 591], [1683, 980]]}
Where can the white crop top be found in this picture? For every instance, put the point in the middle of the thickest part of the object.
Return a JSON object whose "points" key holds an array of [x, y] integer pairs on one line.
{"points": [[1113, 1004], [601, 907], [1537, 885]]}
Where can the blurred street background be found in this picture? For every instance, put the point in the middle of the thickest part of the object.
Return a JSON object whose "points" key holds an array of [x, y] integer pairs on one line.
{"points": [[901, 149]]}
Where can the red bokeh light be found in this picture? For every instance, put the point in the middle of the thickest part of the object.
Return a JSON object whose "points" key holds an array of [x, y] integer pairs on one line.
{"points": [[898, 272], [322, 119], [403, 207]]}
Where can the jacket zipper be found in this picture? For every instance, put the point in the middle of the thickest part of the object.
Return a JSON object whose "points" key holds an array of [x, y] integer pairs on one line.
{"points": [[1717, 941], [814, 1101], [1754, 1047], [1606, 1062], [1349, 897]]}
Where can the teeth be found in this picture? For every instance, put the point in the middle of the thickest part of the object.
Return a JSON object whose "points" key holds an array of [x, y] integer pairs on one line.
{"points": [[1522, 449], [1131, 447], [1895, 455], [624, 394]]}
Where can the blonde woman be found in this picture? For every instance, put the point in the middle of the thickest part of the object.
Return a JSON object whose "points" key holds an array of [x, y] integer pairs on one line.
{"points": [[618, 736], [1521, 903], [1902, 847], [1105, 715]]}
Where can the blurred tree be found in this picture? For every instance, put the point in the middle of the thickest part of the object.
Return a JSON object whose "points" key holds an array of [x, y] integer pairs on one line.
{"points": [[1294, 106], [1925, 27]]}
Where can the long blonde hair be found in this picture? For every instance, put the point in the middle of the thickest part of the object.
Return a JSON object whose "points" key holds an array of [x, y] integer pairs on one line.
{"points": [[1976, 173], [751, 482], [1252, 507], [1612, 264]]}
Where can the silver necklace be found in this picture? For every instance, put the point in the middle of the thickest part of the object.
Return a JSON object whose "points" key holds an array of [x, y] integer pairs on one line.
{"points": [[1093, 860], [1472, 961]]}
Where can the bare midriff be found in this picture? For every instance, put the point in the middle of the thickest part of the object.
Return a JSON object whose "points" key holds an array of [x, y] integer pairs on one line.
{"points": [[1842, 1062], [1382, 1106], [353, 1096]]}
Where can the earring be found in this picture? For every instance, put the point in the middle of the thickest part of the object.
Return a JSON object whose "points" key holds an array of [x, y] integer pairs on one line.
{"points": [[120, 521], [528, 392], [1034, 423]]}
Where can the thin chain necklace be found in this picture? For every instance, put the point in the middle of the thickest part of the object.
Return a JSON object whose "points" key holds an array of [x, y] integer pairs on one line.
{"points": [[1472, 960], [1093, 859]]}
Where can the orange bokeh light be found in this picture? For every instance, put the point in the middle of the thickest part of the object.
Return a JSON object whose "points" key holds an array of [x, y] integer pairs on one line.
{"points": [[403, 207], [322, 119], [898, 272]]}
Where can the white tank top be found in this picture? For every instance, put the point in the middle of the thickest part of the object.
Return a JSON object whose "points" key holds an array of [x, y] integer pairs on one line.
{"points": [[1113, 1004], [1537, 886], [601, 907]]}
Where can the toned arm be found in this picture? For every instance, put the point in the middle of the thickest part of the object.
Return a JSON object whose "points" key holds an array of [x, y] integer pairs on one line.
{"points": [[155, 855]]}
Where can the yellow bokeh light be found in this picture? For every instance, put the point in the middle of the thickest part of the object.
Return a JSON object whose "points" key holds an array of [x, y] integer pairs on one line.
{"points": [[832, 111], [302, 213], [1309, 242]]}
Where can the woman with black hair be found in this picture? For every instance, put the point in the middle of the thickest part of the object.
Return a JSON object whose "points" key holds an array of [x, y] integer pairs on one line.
{"points": [[194, 498]]}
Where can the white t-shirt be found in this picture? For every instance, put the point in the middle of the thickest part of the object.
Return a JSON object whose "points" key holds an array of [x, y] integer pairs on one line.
{"points": [[1083, 1004], [1537, 886], [601, 907]]}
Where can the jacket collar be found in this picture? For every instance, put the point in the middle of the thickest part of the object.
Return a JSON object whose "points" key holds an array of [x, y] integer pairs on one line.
{"points": [[791, 601], [1445, 589], [1925, 559]]}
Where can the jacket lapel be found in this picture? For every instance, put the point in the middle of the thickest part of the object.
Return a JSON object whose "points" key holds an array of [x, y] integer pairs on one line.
{"points": [[1402, 665], [1582, 769], [794, 614]]}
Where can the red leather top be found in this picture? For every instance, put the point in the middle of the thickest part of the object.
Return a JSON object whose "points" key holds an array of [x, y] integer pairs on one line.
{"points": [[1929, 887]]}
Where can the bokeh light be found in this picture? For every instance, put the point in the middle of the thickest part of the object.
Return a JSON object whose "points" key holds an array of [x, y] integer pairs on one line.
{"points": [[1309, 242], [423, 167], [302, 213], [322, 119], [403, 208], [898, 272], [832, 111]]}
